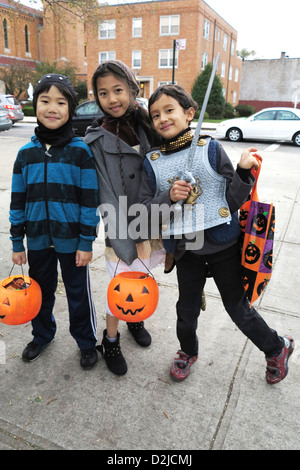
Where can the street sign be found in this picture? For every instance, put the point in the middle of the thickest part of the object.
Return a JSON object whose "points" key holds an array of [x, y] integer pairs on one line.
{"points": [[180, 44]]}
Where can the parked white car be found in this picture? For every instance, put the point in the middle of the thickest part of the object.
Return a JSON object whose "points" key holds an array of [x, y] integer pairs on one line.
{"points": [[276, 124]]}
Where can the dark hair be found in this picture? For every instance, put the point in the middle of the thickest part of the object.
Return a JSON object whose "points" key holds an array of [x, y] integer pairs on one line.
{"points": [[175, 91], [120, 70], [67, 92]]}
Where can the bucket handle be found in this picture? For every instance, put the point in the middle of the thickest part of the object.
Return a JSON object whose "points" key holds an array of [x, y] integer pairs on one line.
{"points": [[141, 262]]}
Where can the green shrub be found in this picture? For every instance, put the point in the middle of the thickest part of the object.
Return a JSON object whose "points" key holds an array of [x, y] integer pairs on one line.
{"points": [[229, 111], [28, 111], [245, 110], [197, 114]]}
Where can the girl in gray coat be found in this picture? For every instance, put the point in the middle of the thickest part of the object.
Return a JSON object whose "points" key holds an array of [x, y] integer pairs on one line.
{"points": [[119, 143]]}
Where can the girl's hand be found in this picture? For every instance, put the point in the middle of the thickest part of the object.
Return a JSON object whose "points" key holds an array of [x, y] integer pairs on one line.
{"points": [[180, 190], [83, 258], [247, 160], [19, 258]]}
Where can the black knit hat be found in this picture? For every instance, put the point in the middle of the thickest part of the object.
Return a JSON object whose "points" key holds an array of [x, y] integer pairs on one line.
{"points": [[62, 83]]}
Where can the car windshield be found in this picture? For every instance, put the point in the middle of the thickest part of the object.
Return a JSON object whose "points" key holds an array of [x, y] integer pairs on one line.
{"points": [[12, 100], [87, 108]]}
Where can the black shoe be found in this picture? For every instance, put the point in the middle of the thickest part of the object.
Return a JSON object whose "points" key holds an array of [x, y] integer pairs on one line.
{"points": [[32, 351], [88, 358], [112, 354], [140, 333]]}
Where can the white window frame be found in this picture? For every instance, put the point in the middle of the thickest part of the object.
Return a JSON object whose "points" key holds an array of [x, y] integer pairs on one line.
{"points": [[217, 34], [170, 26], [109, 55], [169, 59], [230, 72], [136, 56], [234, 97], [136, 34], [107, 29], [204, 60], [232, 49], [223, 69], [225, 40], [236, 75], [206, 28]]}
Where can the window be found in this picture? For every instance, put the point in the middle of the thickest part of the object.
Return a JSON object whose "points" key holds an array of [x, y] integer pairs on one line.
{"points": [[223, 69], [204, 60], [234, 97], [206, 29], [111, 55], [286, 116], [265, 116], [169, 25], [230, 73], [136, 27], [217, 34], [107, 29], [232, 47], [166, 58], [225, 39], [136, 59], [236, 75], [26, 39], [5, 30]]}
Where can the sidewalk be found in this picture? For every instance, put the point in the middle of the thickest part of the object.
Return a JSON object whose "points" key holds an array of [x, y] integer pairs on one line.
{"points": [[225, 403]]}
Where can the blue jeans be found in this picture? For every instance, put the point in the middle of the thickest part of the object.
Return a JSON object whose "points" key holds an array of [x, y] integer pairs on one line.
{"points": [[225, 268], [82, 316]]}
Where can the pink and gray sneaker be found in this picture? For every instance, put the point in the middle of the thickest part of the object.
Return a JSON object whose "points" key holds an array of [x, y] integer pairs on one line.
{"points": [[181, 366], [277, 366]]}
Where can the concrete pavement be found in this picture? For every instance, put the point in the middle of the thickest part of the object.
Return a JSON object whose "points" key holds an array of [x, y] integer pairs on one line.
{"points": [[225, 403]]}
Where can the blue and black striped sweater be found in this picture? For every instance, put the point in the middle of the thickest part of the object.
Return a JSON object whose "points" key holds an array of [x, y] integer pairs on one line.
{"points": [[54, 197]]}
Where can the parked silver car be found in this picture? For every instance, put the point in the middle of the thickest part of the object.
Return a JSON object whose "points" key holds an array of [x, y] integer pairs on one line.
{"points": [[5, 122], [12, 106]]}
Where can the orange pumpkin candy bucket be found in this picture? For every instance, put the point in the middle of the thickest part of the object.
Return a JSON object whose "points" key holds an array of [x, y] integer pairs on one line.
{"points": [[132, 296], [20, 299]]}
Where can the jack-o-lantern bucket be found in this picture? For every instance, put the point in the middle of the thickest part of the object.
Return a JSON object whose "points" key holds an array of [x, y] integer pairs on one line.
{"points": [[20, 300], [132, 296]]}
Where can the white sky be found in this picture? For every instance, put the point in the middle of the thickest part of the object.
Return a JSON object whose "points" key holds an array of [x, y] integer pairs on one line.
{"points": [[267, 26]]}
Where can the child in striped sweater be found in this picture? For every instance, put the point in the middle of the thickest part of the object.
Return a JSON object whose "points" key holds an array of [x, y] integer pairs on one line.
{"points": [[54, 203]]}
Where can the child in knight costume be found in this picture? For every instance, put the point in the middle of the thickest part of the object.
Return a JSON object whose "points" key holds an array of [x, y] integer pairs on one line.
{"points": [[209, 182]]}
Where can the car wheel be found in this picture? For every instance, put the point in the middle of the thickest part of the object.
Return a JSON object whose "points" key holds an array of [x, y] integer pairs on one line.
{"points": [[234, 134], [296, 139]]}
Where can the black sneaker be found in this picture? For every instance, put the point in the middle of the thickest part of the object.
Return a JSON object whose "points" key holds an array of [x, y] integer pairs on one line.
{"points": [[32, 351], [88, 358], [140, 333], [112, 354]]}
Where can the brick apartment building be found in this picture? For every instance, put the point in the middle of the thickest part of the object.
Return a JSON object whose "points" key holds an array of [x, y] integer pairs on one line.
{"points": [[140, 34]]}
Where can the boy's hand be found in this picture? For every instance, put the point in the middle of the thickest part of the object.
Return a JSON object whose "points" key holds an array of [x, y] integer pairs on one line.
{"points": [[180, 190], [83, 258], [247, 160], [19, 258]]}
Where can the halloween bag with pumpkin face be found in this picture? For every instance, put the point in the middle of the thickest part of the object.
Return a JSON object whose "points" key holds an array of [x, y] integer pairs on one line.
{"points": [[257, 223]]}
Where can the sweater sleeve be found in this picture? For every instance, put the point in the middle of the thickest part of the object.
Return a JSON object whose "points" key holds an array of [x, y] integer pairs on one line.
{"points": [[238, 183], [17, 207], [89, 202]]}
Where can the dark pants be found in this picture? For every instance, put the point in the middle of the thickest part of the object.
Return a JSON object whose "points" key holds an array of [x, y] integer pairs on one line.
{"points": [[225, 268], [82, 317]]}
